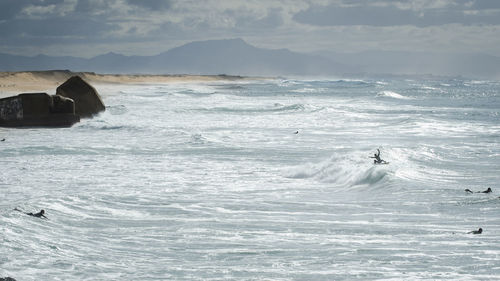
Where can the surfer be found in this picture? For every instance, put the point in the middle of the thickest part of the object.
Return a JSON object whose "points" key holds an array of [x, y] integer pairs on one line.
{"points": [[296, 132], [38, 215], [377, 158], [2, 140], [479, 231], [485, 191]]}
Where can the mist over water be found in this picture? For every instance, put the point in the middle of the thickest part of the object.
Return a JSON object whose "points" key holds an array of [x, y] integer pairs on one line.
{"points": [[260, 180]]}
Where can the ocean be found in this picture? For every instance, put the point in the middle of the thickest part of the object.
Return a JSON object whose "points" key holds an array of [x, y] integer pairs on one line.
{"points": [[260, 180]]}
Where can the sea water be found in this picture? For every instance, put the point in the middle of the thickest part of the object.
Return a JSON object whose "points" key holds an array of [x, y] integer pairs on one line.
{"points": [[260, 180]]}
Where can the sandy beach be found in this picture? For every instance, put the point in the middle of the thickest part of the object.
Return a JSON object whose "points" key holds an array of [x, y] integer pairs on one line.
{"points": [[14, 83]]}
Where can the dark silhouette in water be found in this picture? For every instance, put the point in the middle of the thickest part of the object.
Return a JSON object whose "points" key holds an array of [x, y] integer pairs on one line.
{"points": [[7, 279], [377, 158], [2, 140], [485, 191], [479, 231], [38, 215], [296, 132]]}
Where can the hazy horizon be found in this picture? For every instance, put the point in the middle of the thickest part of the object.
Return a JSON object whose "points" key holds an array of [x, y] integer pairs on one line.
{"points": [[237, 57]]}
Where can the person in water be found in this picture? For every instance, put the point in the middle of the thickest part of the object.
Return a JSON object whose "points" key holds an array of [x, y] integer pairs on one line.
{"points": [[40, 214], [485, 191], [479, 231], [377, 158]]}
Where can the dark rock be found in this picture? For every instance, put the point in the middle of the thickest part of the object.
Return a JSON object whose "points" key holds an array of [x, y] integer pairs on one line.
{"points": [[7, 279], [87, 100], [62, 104], [37, 110]]}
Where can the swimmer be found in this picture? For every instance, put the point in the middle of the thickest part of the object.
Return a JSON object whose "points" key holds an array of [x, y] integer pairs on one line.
{"points": [[2, 140], [479, 231], [38, 215], [487, 190], [296, 132]]}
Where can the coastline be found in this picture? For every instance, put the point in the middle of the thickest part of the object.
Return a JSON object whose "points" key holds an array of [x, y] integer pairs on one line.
{"points": [[14, 83]]}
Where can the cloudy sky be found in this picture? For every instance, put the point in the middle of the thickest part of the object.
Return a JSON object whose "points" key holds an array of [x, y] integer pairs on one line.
{"points": [[145, 27]]}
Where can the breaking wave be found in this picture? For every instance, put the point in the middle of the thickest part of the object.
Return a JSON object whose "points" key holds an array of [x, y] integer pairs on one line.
{"points": [[391, 94]]}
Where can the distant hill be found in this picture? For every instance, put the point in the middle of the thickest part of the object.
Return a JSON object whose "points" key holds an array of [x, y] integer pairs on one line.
{"points": [[232, 56], [235, 56], [472, 65]]}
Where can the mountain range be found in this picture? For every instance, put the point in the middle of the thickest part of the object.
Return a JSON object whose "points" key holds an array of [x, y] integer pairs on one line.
{"points": [[231, 56], [236, 57]]}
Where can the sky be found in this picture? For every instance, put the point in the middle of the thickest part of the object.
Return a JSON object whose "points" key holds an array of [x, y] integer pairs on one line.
{"points": [[87, 28]]}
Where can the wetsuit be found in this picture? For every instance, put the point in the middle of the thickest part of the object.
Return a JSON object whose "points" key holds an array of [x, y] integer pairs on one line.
{"points": [[38, 215], [479, 231], [377, 158]]}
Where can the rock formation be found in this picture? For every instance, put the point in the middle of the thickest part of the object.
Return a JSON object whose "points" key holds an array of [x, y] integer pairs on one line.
{"points": [[37, 110], [87, 100], [75, 98]]}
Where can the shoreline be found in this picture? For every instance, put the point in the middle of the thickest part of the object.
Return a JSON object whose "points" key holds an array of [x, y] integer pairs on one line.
{"points": [[14, 83]]}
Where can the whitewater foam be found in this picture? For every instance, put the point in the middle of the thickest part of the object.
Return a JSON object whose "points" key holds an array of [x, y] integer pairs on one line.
{"points": [[391, 94], [260, 180]]}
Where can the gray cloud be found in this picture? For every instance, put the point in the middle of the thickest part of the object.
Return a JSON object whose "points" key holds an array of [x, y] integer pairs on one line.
{"points": [[483, 4], [82, 22], [10, 9], [92, 6], [273, 19], [55, 30], [270, 19], [154, 26], [391, 15], [153, 5]]}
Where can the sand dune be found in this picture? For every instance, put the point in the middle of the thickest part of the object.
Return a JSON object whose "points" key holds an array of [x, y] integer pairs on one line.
{"points": [[14, 83]]}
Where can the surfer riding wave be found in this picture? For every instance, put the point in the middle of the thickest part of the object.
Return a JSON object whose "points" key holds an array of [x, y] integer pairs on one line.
{"points": [[377, 158]]}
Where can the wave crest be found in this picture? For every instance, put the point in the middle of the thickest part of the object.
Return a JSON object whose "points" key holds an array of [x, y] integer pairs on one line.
{"points": [[342, 173], [391, 94], [277, 108]]}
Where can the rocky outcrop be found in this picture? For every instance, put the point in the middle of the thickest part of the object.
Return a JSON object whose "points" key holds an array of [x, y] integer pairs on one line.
{"points": [[87, 100], [75, 98], [37, 110]]}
